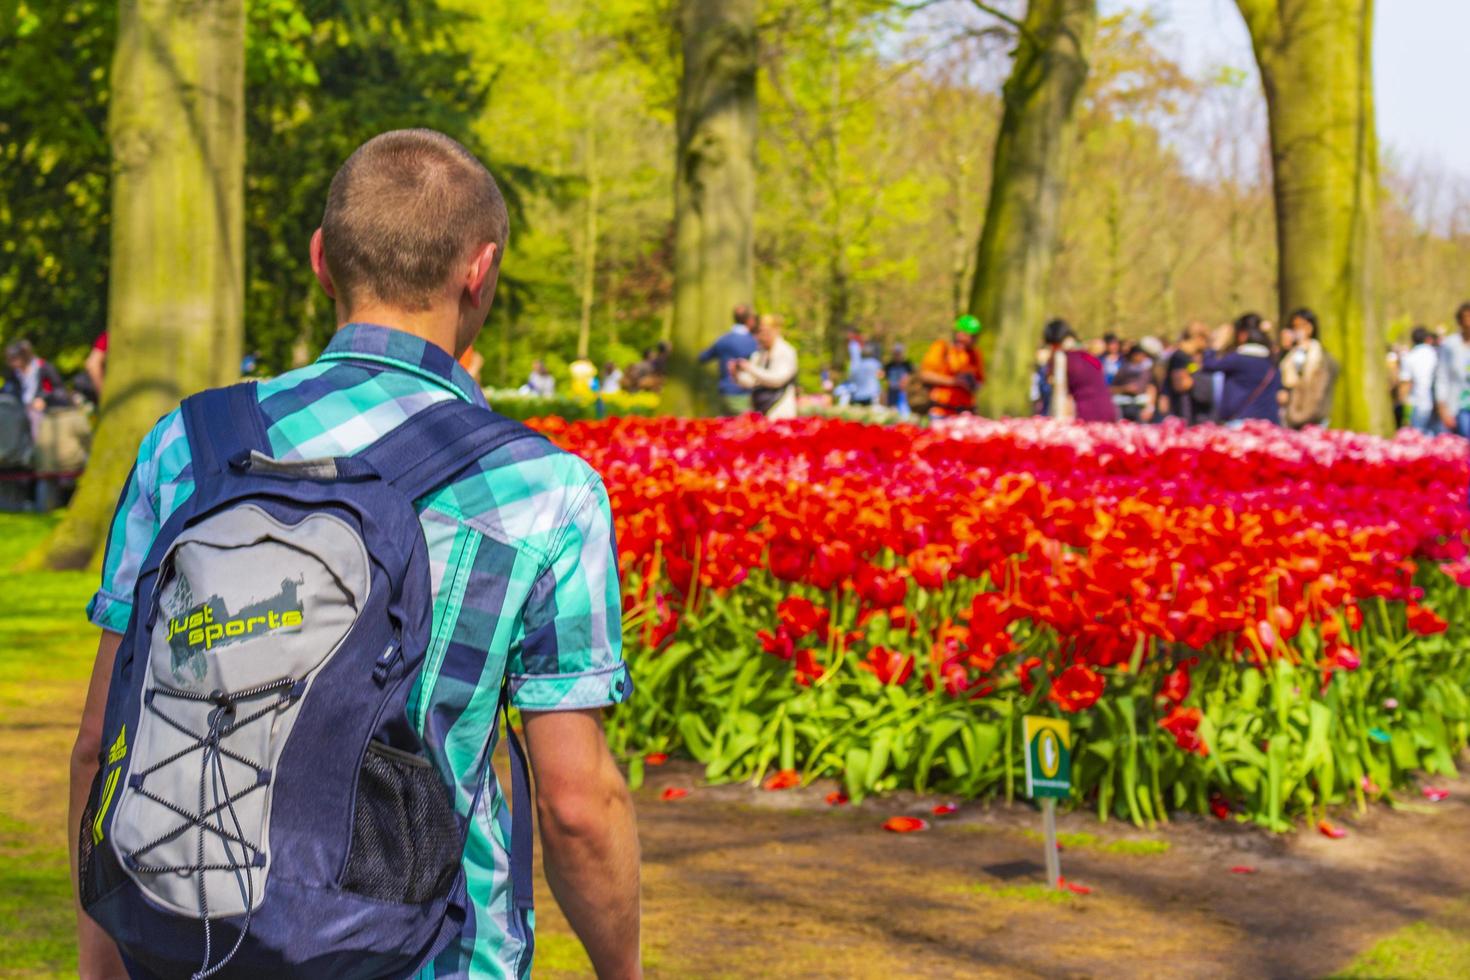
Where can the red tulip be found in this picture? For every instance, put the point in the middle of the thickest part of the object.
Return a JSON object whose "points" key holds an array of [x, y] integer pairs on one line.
{"points": [[1176, 685], [1425, 621], [880, 588], [905, 825], [784, 779], [836, 798], [801, 617], [1183, 724], [888, 666], [1077, 688]]}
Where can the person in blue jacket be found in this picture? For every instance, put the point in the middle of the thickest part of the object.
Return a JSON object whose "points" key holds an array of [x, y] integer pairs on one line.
{"points": [[1250, 378], [735, 344]]}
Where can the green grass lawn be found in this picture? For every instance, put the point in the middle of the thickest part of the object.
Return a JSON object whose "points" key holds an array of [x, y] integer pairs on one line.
{"points": [[46, 648]]}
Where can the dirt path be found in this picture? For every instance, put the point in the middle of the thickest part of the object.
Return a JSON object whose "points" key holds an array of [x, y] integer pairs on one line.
{"points": [[744, 883], [740, 882]]}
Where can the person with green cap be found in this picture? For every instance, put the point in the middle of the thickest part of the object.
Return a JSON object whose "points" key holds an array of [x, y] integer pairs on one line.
{"points": [[953, 370]]}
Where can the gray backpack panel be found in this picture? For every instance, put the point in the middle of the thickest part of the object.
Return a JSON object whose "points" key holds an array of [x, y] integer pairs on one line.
{"points": [[245, 604]]}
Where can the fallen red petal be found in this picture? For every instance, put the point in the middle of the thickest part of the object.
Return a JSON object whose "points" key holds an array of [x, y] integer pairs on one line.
{"points": [[1243, 869], [656, 758], [944, 809], [785, 779], [1327, 830], [905, 825], [1435, 794], [1073, 887], [673, 793], [836, 798]]}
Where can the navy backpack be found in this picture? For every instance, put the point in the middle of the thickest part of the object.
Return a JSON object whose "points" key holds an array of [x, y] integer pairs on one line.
{"points": [[264, 808]]}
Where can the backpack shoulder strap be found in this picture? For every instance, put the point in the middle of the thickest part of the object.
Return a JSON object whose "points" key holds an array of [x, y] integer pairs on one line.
{"points": [[224, 425], [436, 444]]}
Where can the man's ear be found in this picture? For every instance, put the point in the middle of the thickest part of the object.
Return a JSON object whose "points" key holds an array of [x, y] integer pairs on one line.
{"points": [[319, 265], [481, 276]]}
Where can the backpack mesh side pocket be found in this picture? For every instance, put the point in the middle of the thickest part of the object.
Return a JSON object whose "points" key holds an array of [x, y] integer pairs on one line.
{"points": [[406, 841], [86, 880]]}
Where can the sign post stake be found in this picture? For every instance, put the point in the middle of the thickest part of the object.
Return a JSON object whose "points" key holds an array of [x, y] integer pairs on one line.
{"points": [[1049, 830], [1048, 778]]}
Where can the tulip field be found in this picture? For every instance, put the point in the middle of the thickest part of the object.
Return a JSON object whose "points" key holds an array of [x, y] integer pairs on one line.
{"points": [[1257, 624]]}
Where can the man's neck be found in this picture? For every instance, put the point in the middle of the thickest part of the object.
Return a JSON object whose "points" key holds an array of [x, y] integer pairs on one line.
{"points": [[431, 326], [739, 328]]}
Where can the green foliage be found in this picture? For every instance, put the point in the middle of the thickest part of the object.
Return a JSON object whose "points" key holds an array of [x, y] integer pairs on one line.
{"points": [[322, 76], [1284, 742], [53, 170], [572, 408]]}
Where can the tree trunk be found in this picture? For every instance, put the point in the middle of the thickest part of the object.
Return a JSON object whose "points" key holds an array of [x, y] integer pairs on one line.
{"points": [[589, 242], [175, 294], [714, 188], [1316, 61], [1019, 240]]}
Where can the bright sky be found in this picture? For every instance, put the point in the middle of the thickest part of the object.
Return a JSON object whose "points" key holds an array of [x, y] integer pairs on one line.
{"points": [[1421, 72]]}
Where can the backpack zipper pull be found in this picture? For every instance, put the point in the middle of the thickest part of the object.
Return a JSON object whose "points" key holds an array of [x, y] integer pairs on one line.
{"points": [[384, 664]]}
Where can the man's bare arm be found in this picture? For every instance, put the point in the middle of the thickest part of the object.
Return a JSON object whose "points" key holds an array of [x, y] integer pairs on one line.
{"points": [[589, 834], [97, 955]]}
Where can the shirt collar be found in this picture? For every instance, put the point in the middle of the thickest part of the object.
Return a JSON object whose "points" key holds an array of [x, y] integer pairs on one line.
{"points": [[739, 328], [403, 352]]}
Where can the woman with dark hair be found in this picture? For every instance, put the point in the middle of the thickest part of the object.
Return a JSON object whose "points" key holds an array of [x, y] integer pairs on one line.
{"points": [[1251, 379], [1308, 374], [1079, 389]]}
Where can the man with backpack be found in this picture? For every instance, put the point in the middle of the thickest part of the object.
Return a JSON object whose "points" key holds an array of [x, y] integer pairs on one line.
{"points": [[320, 595]]}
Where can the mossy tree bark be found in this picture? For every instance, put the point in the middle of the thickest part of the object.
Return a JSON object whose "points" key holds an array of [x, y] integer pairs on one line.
{"points": [[175, 293], [1316, 61], [1018, 242], [714, 188]]}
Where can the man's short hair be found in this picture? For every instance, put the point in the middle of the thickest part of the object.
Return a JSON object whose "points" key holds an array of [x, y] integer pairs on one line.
{"points": [[402, 212]]}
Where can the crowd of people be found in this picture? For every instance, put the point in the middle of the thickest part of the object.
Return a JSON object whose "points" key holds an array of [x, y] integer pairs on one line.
{"points": [[45, 433]]}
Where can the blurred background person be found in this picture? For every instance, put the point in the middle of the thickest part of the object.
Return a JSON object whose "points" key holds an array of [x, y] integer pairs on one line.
{"points": [[864, 372], [1079, 390], [735, 344], [612, 379], [1417, 368], [953, 370], [770, 374], [1179, 394], [1250, 380], [540, 382], [896, 372], [1452, 380], [1308, 374], [1135, 395]]}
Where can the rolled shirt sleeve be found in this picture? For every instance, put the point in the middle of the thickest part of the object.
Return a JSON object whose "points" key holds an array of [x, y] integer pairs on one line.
{"points": [[569, 654], [135, 525]]}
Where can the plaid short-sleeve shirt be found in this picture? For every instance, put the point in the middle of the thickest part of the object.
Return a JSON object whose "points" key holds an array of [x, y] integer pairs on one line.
{"points": [[524, 576]]}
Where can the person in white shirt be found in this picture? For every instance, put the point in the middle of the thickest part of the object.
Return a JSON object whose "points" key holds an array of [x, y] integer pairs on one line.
{"points": [[1452, 382], [1416, 371], [771, 373]]}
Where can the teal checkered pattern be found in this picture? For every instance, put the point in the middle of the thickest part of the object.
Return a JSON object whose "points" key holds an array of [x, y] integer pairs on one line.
{"points": [[524, 573]]}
